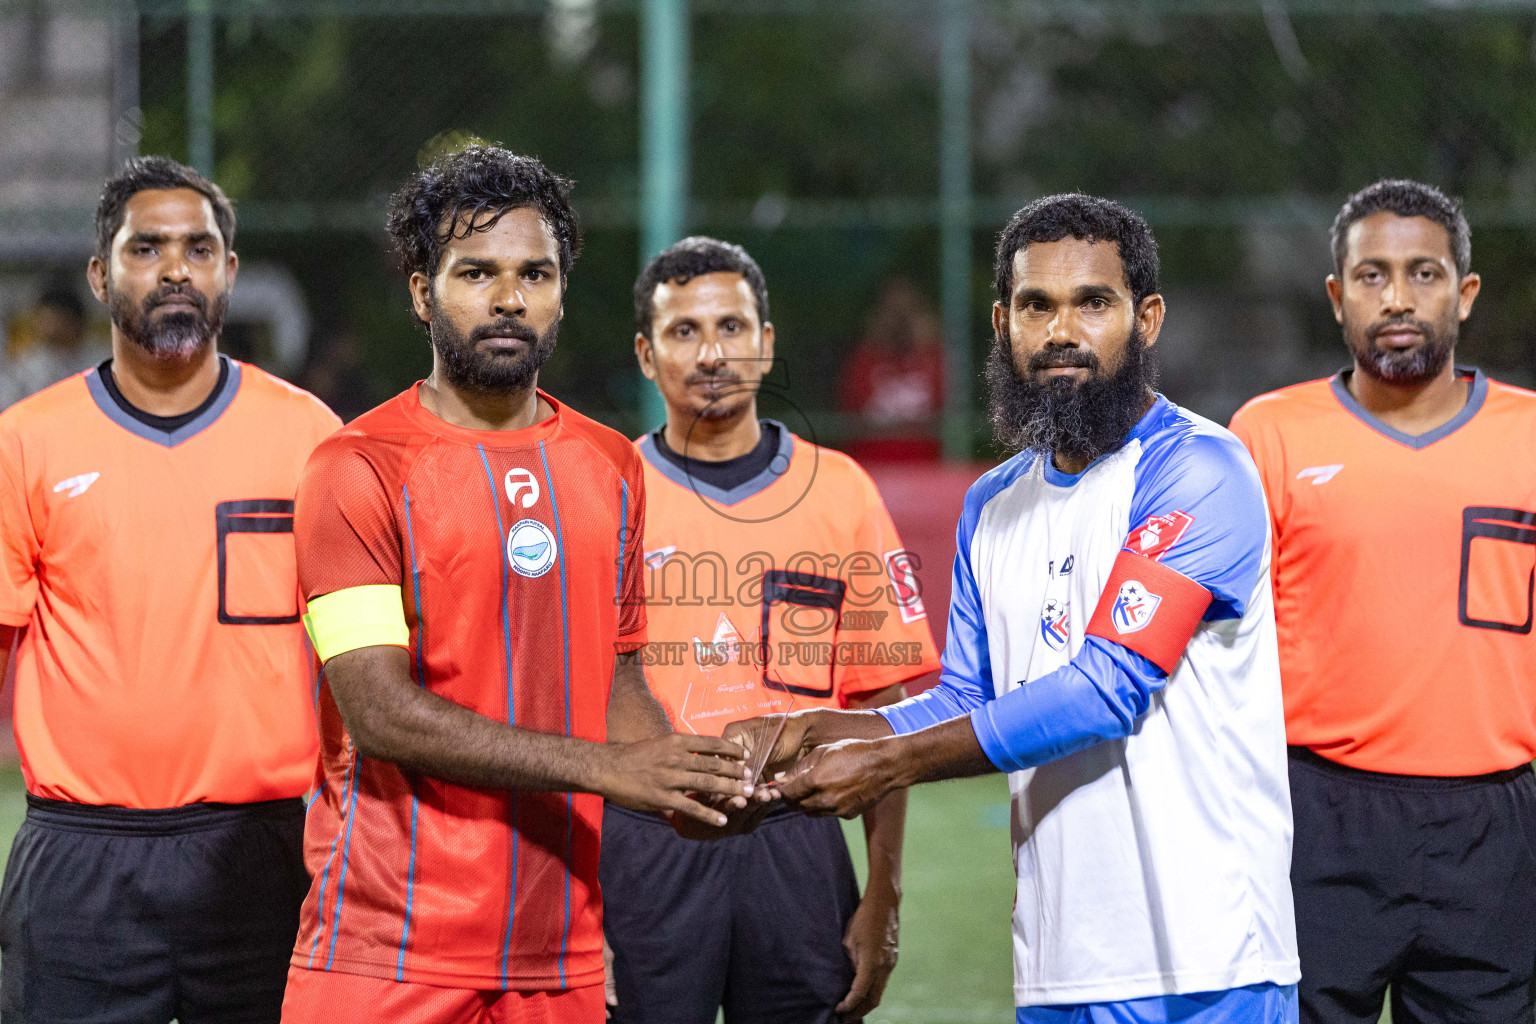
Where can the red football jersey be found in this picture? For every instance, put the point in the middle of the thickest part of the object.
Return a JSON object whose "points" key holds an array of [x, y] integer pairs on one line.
{"points": [[520, 575]]}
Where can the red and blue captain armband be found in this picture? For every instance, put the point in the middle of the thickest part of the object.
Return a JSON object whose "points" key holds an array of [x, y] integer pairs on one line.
{"points": [[1149, 608]]}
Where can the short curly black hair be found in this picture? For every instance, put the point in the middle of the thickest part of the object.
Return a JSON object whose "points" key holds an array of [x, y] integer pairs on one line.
{"points": [[1052, 218], [693, 257], [475, 186], [1406, 199], [153, 173]]}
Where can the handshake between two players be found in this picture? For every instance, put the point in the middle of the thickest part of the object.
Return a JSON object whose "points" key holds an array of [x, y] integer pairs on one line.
{"points": [[820, 762]]}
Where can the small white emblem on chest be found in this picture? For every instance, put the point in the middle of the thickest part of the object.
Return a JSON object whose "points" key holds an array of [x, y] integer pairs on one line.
{"points": [[1319, 474], [522, 482], [76, 485]]}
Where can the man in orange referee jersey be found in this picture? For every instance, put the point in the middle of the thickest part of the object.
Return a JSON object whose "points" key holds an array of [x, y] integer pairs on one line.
{"points": [[164, 692], [775, 580], [1402, 496], [470, 553]]}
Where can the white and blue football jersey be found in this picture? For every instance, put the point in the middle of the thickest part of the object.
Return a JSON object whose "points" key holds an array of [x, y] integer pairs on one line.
{"points": [[1151, 810]]}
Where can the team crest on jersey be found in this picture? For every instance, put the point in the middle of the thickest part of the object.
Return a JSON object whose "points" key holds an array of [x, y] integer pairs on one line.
{"points": [[1159, 533], [1055, 620], [531, 548], [1134, 607]]}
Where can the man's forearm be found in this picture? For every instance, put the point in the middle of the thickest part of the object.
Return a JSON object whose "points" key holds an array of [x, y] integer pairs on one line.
{"points": [[885, 823], [949, 750], [450, 742], [825, 725], [423, 732], [885, 827]]}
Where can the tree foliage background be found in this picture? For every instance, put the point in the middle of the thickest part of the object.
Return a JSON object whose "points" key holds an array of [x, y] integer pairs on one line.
{"points": [[814, 144]]}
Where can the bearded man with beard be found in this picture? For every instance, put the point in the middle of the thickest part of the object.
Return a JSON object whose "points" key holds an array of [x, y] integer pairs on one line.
{"points": [[1402, 494], [470, 553], [1112, 648], [163, 686]]}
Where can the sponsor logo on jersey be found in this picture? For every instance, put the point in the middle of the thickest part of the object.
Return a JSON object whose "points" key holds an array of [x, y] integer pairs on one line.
{"points": [[1055, 618], [653, 559], [1159, 533], [1134, 607], [522, 481], [531, 548], [1319, 475], [909, 592], [76, 485]]}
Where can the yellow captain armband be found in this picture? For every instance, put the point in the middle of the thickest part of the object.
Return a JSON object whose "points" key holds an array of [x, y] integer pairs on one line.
{"points": [[345, 620]]}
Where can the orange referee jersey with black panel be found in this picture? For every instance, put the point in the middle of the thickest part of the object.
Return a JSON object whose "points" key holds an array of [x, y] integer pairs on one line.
{"points": [[163, 661], [507, 564], [1402, 572], [791, 590]]}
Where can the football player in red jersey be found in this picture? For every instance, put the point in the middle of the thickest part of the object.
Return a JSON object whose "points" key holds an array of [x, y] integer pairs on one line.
{"points": [[470, 552]]}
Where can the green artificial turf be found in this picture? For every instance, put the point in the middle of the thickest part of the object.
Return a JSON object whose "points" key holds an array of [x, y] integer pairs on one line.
{"points": [[956, 963], [13, 808]]}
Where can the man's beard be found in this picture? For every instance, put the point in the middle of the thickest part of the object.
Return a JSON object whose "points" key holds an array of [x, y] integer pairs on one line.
{"points": [[1417, 365], [178, 335], [467, 368], [1060, 416]]}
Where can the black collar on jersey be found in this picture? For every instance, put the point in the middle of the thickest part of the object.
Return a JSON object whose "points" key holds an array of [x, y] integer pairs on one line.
{"points": [[1476, 395], [168, 424], [727, 473], [169, 431], [767, 462]]}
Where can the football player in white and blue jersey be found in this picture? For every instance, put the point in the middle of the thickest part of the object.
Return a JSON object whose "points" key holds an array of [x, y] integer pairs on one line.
{"points": [[1112, 647]]}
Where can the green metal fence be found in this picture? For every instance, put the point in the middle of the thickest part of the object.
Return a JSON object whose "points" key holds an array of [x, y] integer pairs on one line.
{"points": [[847, 141]]}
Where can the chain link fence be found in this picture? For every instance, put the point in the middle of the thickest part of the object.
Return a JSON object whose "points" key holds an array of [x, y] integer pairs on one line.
{"points": [[815, 141]]}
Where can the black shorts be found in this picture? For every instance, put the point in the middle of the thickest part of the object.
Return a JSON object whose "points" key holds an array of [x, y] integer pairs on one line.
{"points": [[111, 914], [752, 923], [1424, 884]]}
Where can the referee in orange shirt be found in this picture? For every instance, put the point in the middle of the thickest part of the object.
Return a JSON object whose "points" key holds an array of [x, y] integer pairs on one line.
{"points": [[164, 693], [1402, 495], [806, 598]]}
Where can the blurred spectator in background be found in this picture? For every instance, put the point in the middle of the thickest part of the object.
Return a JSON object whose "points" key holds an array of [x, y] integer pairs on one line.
{"points": [[337, 375], [893, 384], [47, 343]]}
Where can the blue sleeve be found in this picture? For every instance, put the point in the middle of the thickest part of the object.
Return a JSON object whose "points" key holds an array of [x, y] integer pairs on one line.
{"points": [[1198, 470], [1097, 696], [1206, 474], [966, 680]]}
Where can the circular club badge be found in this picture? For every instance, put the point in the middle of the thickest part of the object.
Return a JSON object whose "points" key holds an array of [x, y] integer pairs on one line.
{"points": [[531, 548]]}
